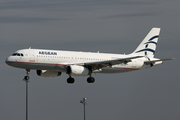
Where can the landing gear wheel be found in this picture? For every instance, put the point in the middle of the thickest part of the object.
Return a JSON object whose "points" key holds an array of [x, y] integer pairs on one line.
{"points": [[90, 80], [70, 80], [26, 77]]}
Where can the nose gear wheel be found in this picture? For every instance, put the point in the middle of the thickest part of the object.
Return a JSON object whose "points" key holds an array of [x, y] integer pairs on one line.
{"points": [[26, 78]]}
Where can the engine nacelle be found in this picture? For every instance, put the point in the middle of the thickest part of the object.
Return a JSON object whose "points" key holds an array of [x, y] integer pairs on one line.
{"points": [[77, 70], [48, 73]]}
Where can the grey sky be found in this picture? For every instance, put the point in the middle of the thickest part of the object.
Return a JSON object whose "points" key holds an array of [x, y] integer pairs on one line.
{"points": [[90, 25]]}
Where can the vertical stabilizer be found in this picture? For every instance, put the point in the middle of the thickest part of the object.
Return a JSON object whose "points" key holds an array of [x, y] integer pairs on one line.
{"points": [[148, 46]]}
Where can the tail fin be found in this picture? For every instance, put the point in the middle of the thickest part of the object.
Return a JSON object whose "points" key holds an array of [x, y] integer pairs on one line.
{"points": [[148, 46]]}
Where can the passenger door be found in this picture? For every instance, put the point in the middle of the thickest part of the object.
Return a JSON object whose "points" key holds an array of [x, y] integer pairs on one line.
{"points": [[32, 55]]}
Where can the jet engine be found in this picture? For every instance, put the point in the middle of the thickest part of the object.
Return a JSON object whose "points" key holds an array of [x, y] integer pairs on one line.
{"points": [[77, 70], [48, 73]]}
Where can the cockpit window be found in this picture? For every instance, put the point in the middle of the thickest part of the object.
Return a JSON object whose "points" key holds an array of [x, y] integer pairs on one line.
{"points": [[14, 54], [17, 54]]}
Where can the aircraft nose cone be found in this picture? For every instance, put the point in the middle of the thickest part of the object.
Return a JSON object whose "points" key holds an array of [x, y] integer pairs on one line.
{"points": [[8, 60]]}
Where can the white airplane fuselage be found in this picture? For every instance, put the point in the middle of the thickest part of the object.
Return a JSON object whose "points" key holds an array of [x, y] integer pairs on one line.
{"points": [[51, 63], [41, 59]]}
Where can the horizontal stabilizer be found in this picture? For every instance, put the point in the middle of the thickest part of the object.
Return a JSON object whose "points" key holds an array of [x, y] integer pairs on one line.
{"points": [[153, 61], [156, 62]]}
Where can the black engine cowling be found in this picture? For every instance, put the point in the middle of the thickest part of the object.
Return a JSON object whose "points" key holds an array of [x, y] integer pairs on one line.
{"points": [[48, 73]]}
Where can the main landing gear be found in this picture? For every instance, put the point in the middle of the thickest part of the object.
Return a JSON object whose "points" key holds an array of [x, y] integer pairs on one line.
{"points": [[90, 79], [71, 80]]}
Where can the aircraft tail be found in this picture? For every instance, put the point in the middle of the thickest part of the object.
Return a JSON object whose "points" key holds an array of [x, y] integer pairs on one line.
{"points": [[148, 46]]}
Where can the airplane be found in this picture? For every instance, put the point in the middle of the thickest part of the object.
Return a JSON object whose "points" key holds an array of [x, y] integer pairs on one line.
{"points": [[51, 63]]}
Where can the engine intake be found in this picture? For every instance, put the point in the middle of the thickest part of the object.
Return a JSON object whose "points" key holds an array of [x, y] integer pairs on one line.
{"points": [[48, 73], [77, 70]]}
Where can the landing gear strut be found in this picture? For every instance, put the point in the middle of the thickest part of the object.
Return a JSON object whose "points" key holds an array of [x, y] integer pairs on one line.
{"points": [[90, 79]]}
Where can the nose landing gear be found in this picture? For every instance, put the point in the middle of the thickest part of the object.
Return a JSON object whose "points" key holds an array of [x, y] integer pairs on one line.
{"points": [[26, 78]]}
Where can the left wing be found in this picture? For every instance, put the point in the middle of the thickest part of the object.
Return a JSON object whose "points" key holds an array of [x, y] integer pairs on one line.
{"points": [[100, 64]]}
